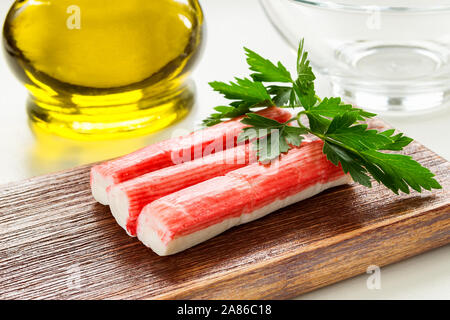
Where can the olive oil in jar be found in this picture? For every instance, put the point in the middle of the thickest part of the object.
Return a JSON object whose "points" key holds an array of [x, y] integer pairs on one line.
{"points": [[104, 68]]}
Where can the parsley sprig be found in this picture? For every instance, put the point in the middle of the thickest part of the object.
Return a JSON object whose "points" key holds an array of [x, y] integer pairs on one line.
{"points": [[347, 140]]}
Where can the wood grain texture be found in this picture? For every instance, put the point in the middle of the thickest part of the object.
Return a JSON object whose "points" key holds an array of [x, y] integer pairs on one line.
{"points": [[54, 236]]}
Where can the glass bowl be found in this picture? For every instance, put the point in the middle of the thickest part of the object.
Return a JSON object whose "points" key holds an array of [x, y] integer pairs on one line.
{"points": [[391, 57]]}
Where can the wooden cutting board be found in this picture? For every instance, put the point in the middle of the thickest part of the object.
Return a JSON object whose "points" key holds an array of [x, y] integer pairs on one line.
{"points": [[57, 242]]}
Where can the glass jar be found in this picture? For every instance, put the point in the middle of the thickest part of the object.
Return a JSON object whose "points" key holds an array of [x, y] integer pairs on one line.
{"points": [[100, 69], [387, 56]]}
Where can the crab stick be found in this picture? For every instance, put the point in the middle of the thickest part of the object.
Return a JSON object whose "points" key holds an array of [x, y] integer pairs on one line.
{"points": [[192, 215], [127, 199], [170, 152]]}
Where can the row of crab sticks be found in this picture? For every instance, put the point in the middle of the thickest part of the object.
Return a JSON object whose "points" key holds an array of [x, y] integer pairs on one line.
{"points": [[171, 152], [173, 204], [195, 214], [127, 199]]}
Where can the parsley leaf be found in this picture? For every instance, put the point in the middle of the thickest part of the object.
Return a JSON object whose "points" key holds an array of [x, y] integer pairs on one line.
{"points": [[282, 95], [246, 93], [397, 171], [227, 112], [331, 107], [245, 90], [306, 94], [350, 164], [341, 129], [399, 141], [270, 137], [357, 149], [265, 70], [304, 71], [304, 84]]}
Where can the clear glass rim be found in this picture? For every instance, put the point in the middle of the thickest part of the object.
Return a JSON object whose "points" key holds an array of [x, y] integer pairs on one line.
{"points": [[334, 5]]}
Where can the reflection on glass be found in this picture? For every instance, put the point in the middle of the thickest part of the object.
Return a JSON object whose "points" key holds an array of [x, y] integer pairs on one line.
{"points": [[51, 153]]}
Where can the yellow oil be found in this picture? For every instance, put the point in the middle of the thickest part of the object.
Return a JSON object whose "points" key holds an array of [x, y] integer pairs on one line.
{"points": [[99, 69]]}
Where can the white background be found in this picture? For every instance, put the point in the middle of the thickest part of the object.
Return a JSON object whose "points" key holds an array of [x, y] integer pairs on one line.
{"points": [[231, 24]]}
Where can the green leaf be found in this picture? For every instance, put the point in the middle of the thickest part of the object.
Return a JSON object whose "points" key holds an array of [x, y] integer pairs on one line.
{"points": [[318, 124], [259, 127], [343, 121], [304, 71], [242, 89], [266, 150], [271, 146], [257, 121], [342, 130], [281, 95], [306, 94], [349, 162], [224, 109], [265, 70], [294, 135], [332, 107], [252, 133], [247, 93], [270, 134], [399, 141], [227, 112], [398, 171], [356, 148], [304, 84]]}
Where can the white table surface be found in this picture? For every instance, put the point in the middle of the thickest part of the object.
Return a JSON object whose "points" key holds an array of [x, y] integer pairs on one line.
{"points": [[231, 24]]}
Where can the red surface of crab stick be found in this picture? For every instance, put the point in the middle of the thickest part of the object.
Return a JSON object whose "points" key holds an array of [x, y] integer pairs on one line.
{"points": [[170, 152], [127, 199], [192, 215]]}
